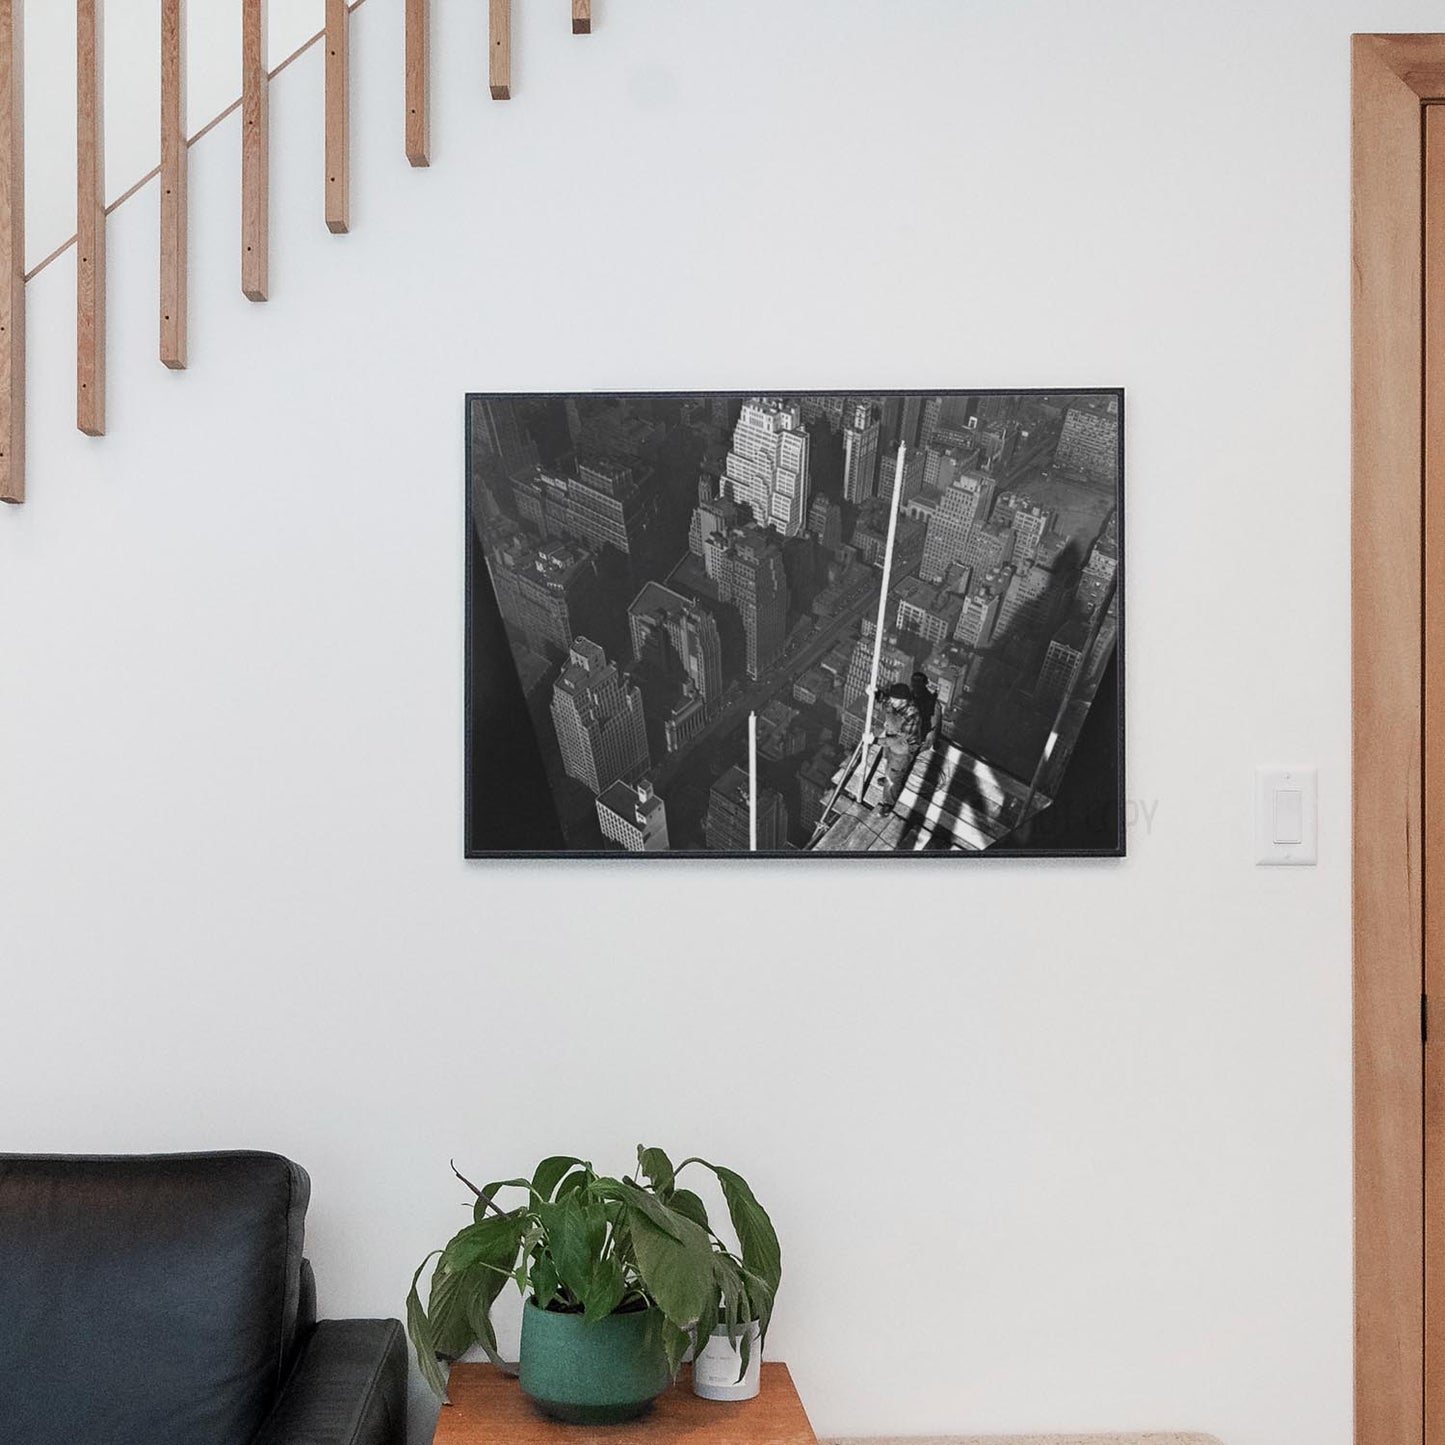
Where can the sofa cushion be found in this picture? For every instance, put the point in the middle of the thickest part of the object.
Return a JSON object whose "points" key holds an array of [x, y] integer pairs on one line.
{"points": [[146, 1300]]}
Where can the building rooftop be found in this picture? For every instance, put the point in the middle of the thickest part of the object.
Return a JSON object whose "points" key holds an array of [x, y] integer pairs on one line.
{"points": [[655, 600], [585, 662], [733, 784], [918, 593], [627, 802]]}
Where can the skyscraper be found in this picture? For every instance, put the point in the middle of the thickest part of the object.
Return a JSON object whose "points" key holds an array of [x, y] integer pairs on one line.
{"points": [[928, 419], [680, 636], [597, 714], [728, 825], [605, 504], [1102, 563], [815, 785], [860, 452], [634, 817], [541, 590], [1089, 443], [825, 522], [913, 472], [748, 568], [909, 421], [894, 665], [979, 617], [928, 611], [767, 468], [499, 445], [891, 412], [964, 507], [989, 546], [719, 514], [1061, 665], [942, 465], [1030, 522]]}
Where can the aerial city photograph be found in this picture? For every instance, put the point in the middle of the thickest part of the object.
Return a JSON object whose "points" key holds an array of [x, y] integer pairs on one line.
{"points": [[792, 623]]}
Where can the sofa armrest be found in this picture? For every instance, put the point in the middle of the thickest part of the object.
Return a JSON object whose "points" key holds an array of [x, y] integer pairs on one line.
{"points": [[348, 1388]]}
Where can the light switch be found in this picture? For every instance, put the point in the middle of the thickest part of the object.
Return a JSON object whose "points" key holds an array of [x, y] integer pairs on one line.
{"points": [[1286, 816], [1289, 816]]}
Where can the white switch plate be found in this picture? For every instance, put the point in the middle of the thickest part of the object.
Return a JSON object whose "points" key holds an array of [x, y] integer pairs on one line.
{"points": [[1286, 816]]}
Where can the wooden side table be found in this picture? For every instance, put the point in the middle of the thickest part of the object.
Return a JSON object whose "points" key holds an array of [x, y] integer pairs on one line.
{"points": [[489, 1408]]}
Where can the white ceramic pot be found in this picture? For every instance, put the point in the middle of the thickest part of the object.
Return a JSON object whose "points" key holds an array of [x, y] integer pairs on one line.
{"points": [[716, 1367]]}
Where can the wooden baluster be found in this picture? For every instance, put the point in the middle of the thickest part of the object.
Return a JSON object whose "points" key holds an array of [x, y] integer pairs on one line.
{"points": [[418, 82], [338, 116], [174, 226], [500, 66], [12, 252], [90, 220], [255, 154], [582, 17]]}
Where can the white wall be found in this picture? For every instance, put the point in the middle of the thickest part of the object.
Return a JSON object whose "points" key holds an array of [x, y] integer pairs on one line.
{"points": [[1049, 1145]]}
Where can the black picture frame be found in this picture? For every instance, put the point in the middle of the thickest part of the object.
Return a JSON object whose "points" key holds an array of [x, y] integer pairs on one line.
{"points": [[508, 808]]}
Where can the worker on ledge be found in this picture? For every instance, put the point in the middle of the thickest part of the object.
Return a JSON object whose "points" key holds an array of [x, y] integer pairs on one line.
{"points": [[901, 740], [925, 699]]}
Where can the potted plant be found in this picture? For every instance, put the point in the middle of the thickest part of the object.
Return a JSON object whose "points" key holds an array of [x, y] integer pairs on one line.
{"points": [[614, 1273]]}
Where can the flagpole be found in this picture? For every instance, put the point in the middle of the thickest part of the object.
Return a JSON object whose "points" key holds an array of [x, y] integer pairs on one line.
{"points": [[868, 735], [753, 781]]}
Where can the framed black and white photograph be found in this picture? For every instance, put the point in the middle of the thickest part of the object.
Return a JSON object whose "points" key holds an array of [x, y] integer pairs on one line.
{"points": [[784, 624]]}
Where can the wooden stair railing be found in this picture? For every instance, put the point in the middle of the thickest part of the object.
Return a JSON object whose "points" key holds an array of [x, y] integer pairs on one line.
{"points": [[91, 209], [338, 117], [89, 219], [175, 234], [418, 76], [12, 253], [255, 154]]}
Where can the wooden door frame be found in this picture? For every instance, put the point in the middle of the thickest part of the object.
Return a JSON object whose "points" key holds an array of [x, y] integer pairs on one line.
{"points": [[1393, 77]]}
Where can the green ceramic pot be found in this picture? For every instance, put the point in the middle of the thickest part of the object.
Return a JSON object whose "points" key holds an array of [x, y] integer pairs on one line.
{"points": [[592, 1374]]}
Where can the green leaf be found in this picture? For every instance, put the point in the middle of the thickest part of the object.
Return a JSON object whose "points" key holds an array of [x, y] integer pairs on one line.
{"points": [[687, 1204], [419, 1328], [760, 1296], [657, 1169], [483, 1295], [745, 1351], [544, 1281], [577, 1179], [676, 1268], [706, 1324], [605, 1289], [638, 1199], [485, 1206], [739, 1308], [675, 1341], [574, 1237], [469, 1276], [759, 1241], [550, 1173], [494, 1239], [448, 1313]]}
